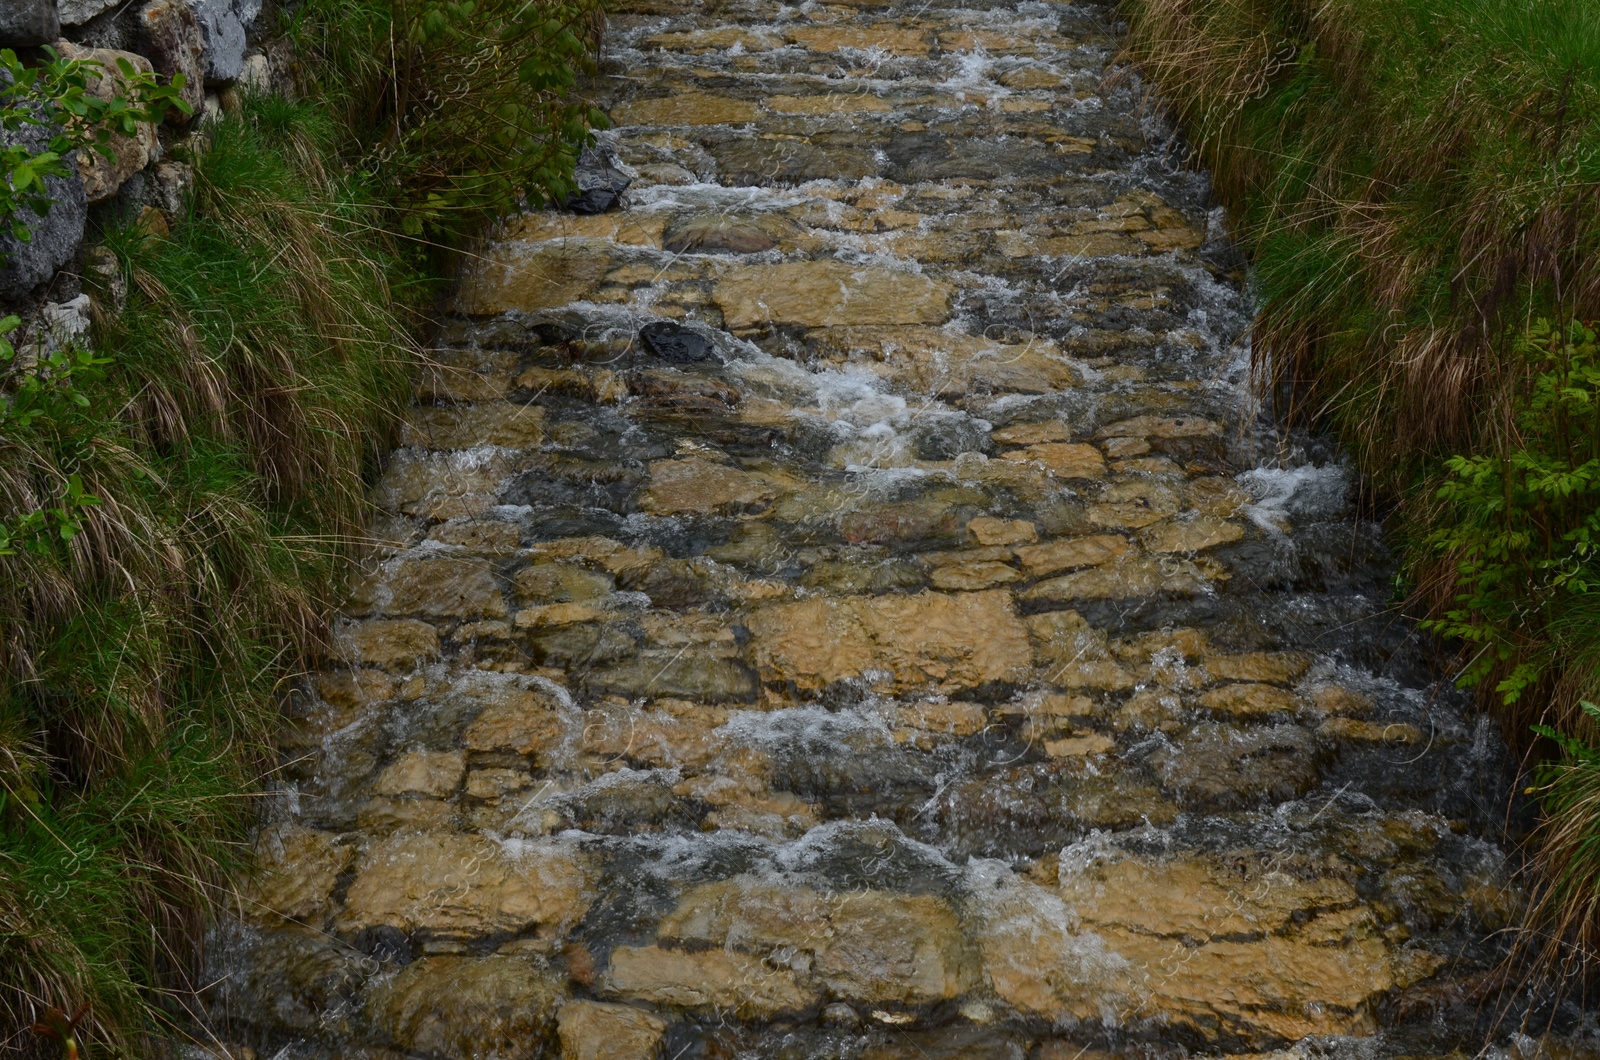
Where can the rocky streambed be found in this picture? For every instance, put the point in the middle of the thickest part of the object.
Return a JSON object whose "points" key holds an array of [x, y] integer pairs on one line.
{"points": [[843, 604]]}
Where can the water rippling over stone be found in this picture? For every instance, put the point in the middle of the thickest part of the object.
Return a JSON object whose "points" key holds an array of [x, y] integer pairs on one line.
{"points": [[843, 604]]}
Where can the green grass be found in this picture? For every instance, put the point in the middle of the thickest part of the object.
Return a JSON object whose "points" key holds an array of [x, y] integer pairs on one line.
{"points": [[1417, 184], [149, 629], [255, 371]]}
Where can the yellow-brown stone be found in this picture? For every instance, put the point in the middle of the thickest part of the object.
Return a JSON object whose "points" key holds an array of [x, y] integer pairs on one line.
{"points": [[1190, 535], [1053, 557], [1079, 746], [828, 294], [1336, 700], [990, 531], [947, 642], [1272, 667], [435, 773], [519, 720], [470, 426], [699, 485], [1122, 580], [296, 870], [432, 585], [1250, 700], [872, 946], [706, 979], [686, 108], [594, 1030], [1062, 459], [969, 577], [895, 40], [467, 886], [394, 644], [530, 276], [1033, 433], [1354, 730], [828, 103], [1162, 427]]}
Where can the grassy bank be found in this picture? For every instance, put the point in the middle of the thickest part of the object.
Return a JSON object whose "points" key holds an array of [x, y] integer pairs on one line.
{"points": [[208, 467], [1417, 184]]}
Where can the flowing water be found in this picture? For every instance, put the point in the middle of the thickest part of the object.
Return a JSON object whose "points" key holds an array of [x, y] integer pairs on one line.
{"points": [[843, 604]]}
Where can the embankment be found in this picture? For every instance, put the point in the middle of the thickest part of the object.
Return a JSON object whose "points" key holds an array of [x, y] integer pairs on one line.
{"points": [[1418, 186], [214, 327]]}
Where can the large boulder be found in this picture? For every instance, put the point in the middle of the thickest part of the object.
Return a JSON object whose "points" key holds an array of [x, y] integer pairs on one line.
{"points": [[28, 23], [170, 35], [102, 176], [223, 26], [53, 238]]}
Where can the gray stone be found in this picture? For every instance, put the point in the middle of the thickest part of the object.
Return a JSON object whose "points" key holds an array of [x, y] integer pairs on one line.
{"points": [[223, 26], [601, 178], [59, 326], [107, 283], [256, 77], [27, 23], [169, 35], [53, 238], [172, 186], [77, 12]]}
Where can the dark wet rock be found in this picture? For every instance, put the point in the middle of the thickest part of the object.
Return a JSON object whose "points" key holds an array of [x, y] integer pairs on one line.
{"points": [[576, 483], [658, 672], [385, 944], [675, 343], [628, 802], [1216, 765], [28, 23], [866, 575], [586, 644], [601, 180], [948, 1043], [749, 161], [308, 979], [947, 437]]}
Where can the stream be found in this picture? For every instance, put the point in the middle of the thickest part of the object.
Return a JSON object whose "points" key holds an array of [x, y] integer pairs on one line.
{"points": [[845, 603]]}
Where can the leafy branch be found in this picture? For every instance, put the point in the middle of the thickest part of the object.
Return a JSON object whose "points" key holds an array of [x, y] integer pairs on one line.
{"points": [[1524, 525], [56, 95]]}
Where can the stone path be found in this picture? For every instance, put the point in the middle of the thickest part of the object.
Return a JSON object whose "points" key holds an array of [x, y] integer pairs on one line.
{"points": [[836, 606]]}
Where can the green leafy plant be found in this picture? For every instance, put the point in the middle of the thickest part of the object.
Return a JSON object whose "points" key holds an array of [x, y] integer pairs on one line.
{"points": [[1523, 525], [55, 95], [44, 388]]}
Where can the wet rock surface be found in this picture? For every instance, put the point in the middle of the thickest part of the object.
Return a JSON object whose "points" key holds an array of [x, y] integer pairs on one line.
{"points": [[841, 604]]}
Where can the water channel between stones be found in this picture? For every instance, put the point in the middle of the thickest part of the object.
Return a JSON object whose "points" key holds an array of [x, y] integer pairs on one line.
{"points": [[842, 604]]}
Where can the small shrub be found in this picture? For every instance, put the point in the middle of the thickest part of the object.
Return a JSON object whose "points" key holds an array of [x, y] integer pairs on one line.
{"points": [[1523, 525]]}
